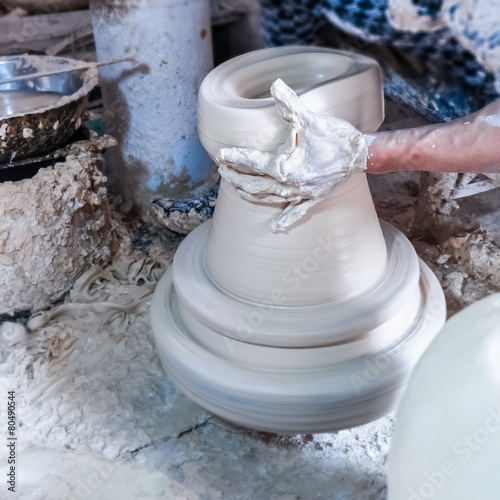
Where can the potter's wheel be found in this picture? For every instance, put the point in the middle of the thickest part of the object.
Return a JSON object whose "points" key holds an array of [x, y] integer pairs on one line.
{"points": [[296, 390], [311, 330]]}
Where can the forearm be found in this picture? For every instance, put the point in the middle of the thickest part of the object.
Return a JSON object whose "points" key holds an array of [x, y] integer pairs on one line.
{"points": [[469, 144]]}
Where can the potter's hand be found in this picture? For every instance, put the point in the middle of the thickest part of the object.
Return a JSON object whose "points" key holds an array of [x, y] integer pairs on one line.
{"points": [[319, 153]]}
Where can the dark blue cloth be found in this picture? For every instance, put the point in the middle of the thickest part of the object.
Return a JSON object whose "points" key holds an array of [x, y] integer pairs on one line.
{"points": [[456, 83]]}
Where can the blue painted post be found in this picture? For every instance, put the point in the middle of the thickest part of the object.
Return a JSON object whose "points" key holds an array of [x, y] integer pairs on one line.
{"points": [[154, 100]]}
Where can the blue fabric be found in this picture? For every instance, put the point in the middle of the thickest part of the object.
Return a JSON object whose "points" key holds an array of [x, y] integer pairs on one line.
{"points": [[467, 86]]}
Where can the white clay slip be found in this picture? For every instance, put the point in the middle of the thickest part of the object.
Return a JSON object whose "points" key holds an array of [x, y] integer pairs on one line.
{"points": [[318, 154], [493, 120]]}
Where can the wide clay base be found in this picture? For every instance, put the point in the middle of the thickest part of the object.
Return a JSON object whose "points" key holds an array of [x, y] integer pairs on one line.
{"points": [[349, 377]]}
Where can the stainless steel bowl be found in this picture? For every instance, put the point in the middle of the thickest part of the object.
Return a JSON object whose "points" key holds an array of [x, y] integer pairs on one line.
{"points": [[39, 114]]}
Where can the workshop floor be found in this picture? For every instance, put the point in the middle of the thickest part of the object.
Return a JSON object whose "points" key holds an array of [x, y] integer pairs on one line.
{"points": [[98, 418]]}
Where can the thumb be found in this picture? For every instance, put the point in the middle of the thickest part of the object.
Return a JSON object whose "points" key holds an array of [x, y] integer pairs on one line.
{"points": [[288, 103]]}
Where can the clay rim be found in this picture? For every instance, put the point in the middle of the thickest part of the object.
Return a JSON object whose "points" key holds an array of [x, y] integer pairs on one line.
{"points": [[89, 78], [228, 119], [358, 64]]}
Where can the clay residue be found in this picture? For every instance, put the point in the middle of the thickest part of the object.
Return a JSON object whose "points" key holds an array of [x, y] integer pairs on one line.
{"points": [[460, 244], [86, 371], [52, 228], [182, 216], [477, 253], [179, 222]]}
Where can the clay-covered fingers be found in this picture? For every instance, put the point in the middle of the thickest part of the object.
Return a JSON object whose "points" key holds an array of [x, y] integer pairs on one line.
{"points": [[284, 164], [244, 160], [260, 185], [267, 198], [288, 104], [292, 213], [342, 128]]}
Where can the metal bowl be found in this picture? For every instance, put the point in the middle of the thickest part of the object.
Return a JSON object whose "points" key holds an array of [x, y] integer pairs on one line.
{"points": [[39, 114]]}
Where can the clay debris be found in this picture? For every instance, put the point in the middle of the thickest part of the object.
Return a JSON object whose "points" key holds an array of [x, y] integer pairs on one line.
{"points": [[52, 228]]}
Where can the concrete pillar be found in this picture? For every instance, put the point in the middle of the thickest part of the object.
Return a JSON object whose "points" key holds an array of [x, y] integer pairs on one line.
{"points": [[155, 99]]}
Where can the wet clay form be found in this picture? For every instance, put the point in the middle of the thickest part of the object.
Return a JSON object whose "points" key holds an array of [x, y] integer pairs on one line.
{"points": [[310, 330]]}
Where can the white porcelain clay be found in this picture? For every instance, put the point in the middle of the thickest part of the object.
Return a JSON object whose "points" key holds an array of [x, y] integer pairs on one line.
{"points": [[446, 442], [323, 258], [309, 330], [235, 107]]}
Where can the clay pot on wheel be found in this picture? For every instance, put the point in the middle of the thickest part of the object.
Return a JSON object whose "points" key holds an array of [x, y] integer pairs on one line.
{"points": [[281, 332]]}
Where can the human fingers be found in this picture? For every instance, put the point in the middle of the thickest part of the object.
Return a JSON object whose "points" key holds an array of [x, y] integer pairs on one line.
{"points": [[259, 185], [244, 160], [288, 103], [292, 213], [267, 198]]}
